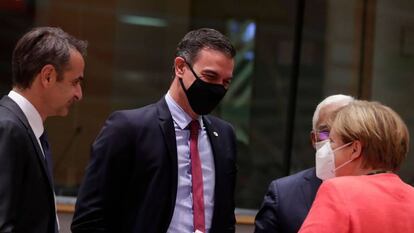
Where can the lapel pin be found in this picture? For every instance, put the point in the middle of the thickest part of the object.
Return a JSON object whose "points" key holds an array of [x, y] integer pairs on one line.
{"points": [[215, 133]]}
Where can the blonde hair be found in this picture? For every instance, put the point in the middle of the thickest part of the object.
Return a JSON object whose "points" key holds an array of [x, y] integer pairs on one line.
{"points": [[382, 132]]}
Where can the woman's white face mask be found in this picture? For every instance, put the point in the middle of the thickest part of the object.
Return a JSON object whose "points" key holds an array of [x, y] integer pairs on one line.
{"points": [[325, 159]]}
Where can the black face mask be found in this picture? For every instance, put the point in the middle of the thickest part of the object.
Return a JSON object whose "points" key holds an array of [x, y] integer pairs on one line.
{"points": [[203, 96]]}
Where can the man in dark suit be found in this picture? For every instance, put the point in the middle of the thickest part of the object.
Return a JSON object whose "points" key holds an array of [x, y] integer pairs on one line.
{"points": [[167, 167], [48, 66], [288, 199]]}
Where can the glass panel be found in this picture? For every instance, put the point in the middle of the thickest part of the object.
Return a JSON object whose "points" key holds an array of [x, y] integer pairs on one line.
{"points": [[16, 17], [257, 104], [393, 65], [327, 68]]}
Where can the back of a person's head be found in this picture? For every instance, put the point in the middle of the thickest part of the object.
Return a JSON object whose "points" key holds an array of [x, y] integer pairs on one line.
{"points": [[39, 47], [382, 132]]}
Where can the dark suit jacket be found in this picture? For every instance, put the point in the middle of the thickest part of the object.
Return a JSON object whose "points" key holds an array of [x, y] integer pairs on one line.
{"points": [[287, 203], [26, 193], [131, 182]]}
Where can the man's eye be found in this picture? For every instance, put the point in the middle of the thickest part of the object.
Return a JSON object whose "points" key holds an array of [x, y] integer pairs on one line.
{"points": [[323, 135], [76, 82], [209, 77]]}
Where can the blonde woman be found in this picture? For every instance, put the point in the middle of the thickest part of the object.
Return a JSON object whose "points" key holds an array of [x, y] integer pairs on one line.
{"points": [[367, 144]]}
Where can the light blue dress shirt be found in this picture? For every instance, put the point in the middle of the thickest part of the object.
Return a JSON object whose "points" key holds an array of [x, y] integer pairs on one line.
{"points": [[182, 220]]}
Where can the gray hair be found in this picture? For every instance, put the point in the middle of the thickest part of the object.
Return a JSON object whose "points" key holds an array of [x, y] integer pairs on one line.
{"points": [[333, 99]]}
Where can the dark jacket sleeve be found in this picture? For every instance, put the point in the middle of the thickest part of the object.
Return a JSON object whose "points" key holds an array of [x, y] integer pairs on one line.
{"points": [[12, 150], [266, 219], [97, 205]]}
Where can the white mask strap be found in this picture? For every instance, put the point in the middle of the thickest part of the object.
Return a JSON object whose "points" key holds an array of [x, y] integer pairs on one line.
{"points": [[342, 165], [343, 146], [347, 162]]}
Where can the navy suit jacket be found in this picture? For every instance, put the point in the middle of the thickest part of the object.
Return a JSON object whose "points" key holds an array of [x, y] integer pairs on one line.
{"points": [[131, 182], [27, 202], [287, 202]]}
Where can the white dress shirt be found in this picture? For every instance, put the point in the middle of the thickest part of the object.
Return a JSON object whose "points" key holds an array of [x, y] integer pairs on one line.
{"points": [[32, 115]]}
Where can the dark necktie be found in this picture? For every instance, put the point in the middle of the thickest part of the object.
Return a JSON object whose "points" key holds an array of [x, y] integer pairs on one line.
{"points": [[48, 155], [197, 179], [49, 164]]}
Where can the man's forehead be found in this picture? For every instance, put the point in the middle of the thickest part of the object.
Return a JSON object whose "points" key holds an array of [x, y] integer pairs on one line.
{"points": [[214, 60], [325, 114], [208, 50]]}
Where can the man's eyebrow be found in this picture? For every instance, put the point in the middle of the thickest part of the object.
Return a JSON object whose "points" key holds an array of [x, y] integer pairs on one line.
{"points": [[209, 72], [212, 73], [78, 79], [323, 127]]}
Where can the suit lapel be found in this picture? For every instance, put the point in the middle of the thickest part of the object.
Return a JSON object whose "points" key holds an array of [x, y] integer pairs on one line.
{"points": [[310, 187], [15, 109], [167, 127], [214, 137]]}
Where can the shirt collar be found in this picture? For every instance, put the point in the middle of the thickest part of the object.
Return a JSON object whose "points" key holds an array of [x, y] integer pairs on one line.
{"points": [[32, 115], [180, 117]]}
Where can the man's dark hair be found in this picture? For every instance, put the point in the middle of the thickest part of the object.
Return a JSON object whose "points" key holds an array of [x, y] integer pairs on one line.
{"points": [[196, 40], [39, 47]]}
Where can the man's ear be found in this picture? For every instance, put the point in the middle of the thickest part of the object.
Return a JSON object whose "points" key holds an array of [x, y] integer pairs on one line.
{"points": [[47, 75], [312, 138], [179, 64], [356, 149]]}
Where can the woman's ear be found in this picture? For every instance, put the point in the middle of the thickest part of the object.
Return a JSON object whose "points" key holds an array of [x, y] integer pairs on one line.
{"points": [[356, 149]]}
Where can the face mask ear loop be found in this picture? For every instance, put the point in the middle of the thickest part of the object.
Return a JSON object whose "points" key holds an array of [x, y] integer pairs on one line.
{"points": [[347, 162], [342, 165], [191, 69], [343, 146], [181, 79], [182, 84]]}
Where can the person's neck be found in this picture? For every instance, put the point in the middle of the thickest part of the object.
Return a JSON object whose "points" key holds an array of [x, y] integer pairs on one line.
{"points": [[378, 171], [371, 171], [34, 99]]}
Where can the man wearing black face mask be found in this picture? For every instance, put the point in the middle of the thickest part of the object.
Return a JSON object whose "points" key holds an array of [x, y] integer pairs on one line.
{"points": [[168, 167], [203, 96]]}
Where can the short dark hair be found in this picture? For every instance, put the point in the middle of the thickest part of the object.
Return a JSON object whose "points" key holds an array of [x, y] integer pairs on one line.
{"points": [[39, 47], [196, 40]]}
